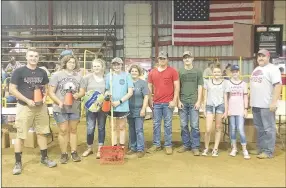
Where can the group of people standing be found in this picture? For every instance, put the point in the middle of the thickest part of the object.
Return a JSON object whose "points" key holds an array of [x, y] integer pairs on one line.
{"points": [[165, 89]]}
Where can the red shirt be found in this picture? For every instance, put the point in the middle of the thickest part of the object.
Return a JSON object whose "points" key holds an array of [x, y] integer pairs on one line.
{"points": [[283, 78], [163, 84]]}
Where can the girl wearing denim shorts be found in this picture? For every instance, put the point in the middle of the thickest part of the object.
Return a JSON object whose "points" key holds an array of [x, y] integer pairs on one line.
{"points": [[237, 110], [67, 117], [95, 86], [215, 105], [122, 90]]}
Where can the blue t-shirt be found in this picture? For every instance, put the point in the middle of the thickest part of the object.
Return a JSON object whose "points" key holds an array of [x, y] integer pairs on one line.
{"points": [[120, 84]]}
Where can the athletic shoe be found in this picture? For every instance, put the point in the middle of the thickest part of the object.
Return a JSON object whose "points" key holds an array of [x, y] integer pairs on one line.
{"points": [[49, 163], [215, 153], [75, 157], [17, 168], [64, 158], [245, 154], [233, 152], [205, 152]]}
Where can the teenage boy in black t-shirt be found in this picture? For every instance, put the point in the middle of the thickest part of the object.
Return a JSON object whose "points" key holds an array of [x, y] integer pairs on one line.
{"points": [[22, 85]]}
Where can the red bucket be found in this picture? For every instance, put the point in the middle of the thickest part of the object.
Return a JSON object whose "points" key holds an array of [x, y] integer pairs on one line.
{"points": [[112, 155]]}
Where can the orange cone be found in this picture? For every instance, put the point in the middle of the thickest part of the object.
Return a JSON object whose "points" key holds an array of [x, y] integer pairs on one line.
{"points": [[68, 98], [38, 97], [106, 106]]}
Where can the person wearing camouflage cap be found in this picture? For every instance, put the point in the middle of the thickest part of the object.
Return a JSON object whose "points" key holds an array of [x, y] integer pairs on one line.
{"points": [[189, 102], [265, 89], [163, 82]]}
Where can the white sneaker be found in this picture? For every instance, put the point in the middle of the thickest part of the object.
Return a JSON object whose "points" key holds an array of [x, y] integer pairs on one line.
{"points": [[233, 152], [246, 155], [98, 153], [205, 152], [215, 153]]}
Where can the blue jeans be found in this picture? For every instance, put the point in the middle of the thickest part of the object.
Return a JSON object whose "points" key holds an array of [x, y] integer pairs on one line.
{"points": [[162, 111], [189, 113], [136, 133], [237, 122], [91, 118], [264, 121]]}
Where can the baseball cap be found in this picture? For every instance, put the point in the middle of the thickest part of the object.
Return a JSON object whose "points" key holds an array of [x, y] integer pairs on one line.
{"points": [[264, 52], [163, 54], [234, 67], [117, 60], [188, 53]]}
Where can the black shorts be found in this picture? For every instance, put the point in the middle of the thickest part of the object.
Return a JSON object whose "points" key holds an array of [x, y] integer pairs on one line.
{"points": [[119, 115]]}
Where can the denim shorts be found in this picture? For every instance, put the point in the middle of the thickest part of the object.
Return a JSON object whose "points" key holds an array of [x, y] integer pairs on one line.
{"points": [[119, 115], [215, 109], [62, 117]]}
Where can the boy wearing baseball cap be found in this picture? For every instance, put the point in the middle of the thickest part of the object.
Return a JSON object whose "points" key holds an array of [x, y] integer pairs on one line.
{"points": [[163, 81], [189, 102]]}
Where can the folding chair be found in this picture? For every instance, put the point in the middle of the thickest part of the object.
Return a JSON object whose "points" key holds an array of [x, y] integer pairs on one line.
{"points": [[280, 115]]}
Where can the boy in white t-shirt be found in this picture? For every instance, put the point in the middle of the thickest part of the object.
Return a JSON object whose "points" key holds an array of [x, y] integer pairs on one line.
{"points": [[237, 110]]}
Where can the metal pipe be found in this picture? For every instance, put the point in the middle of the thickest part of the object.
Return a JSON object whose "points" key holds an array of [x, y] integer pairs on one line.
{"points": [[50, 16], [156, 31]]}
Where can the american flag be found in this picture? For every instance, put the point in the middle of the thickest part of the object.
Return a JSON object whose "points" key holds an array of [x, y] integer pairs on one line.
{"points": [[208, 23]]}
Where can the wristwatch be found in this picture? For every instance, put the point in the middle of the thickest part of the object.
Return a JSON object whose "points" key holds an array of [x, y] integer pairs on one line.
{"points": [[120, 101]]}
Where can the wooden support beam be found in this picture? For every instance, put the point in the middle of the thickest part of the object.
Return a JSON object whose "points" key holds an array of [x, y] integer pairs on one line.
{"points": [[257, 12]]}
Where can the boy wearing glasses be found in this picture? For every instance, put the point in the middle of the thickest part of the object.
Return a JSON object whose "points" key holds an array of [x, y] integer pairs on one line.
{"points": [[189, 102], [163, 82]]}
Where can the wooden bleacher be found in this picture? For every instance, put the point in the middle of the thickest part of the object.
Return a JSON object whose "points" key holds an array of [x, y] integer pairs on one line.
{"points": [[51, 43]]}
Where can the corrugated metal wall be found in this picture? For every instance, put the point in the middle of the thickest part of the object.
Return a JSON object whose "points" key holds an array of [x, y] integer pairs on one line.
{"points": [[100, 13], [279, 15], [24, 12]]}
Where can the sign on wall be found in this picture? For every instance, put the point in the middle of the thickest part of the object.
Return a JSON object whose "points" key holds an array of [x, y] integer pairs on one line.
{"points": [[269, 37]]}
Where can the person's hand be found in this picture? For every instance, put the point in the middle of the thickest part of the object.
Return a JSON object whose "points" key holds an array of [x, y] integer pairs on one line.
{"points": [[107, 93], [115, 103], [172, 104], [142, 113], [245, 113], [273, 107], [180, 105], [44, 99], [224, 116], [61, 104], [205, 113], [30, 103], [150, 103], [197, 105], [76, 96]]}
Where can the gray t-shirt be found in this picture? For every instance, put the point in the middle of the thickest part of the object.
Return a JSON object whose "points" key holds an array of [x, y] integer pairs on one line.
{"points": [[63, 81], [215, 92], [91, 84], [136, 101], [261, 85]]}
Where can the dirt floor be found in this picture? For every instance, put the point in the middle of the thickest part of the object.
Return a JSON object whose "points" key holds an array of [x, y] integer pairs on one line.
{"points": [[152, 170]]}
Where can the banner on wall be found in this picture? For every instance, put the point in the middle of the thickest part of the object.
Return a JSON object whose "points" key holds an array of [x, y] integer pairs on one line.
{"points": [[145, 64]]}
